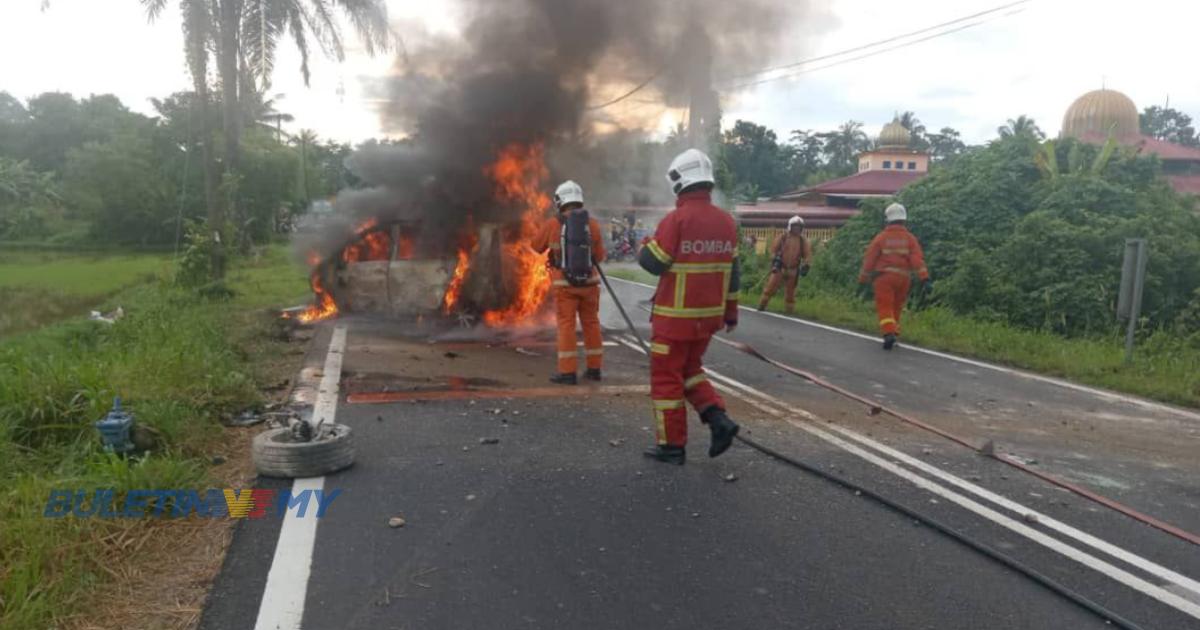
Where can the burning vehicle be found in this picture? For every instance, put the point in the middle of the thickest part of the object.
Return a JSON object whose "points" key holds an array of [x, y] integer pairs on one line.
{"points": [[442, 223], [490, 275]]}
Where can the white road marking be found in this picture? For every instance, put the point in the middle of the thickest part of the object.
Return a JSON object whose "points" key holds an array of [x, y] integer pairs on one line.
{"points": [[1100, 393], [282, 606], [1166, 595]]}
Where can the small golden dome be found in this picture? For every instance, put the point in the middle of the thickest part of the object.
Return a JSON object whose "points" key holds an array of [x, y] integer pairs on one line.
{"points": [[894, 135], [1099, 112]]}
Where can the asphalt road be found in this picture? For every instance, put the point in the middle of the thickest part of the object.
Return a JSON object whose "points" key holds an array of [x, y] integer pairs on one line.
{"points": [[561, 523]]}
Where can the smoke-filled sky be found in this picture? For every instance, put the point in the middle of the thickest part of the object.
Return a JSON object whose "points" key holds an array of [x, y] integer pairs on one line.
{"points": [[1032, 62]]}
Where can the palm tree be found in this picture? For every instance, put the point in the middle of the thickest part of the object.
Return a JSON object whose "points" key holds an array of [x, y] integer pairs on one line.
{"points": [[1021, 126], [197, 34], [306, 138], [260, 112], [248, 32], [842, 145]]}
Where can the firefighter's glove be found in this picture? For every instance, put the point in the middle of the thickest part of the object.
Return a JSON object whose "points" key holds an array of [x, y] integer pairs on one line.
{"points": [[804, 270]]}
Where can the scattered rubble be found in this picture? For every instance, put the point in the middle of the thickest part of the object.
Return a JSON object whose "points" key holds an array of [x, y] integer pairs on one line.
{"points": [[730, 478], [489, 440], [247, 418], [397, 521]]}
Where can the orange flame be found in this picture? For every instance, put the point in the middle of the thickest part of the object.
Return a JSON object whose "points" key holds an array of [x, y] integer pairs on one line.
{"points": [[324, 307], [460, 274], [376, 244], [519, 173]]}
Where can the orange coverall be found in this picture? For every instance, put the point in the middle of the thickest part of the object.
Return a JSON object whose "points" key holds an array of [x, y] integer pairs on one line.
{"points": [[891, 258], [571, 301], [795, 251]]}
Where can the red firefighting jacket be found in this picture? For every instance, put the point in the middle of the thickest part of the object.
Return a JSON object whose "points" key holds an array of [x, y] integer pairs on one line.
{"points": [[695, 254], [894, 250]]}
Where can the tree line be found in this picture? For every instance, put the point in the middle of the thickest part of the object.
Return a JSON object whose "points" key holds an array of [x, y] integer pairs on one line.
{"points": [[1031, 232], [761, 164], [91, 171]]}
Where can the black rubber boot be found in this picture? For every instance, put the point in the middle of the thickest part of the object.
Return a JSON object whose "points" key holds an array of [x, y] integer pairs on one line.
{"points": [[667, 454], [723, 430], [565, 379], [593, 374], [889, 340]]}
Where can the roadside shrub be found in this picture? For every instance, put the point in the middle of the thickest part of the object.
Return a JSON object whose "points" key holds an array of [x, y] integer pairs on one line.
{"points": [[1039, 248]]}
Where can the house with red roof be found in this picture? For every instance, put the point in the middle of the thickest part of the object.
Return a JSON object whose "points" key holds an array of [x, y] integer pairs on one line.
{"points": [[882, 172]]}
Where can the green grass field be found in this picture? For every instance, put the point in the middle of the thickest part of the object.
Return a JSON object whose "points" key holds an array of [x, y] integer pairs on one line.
{"points": [[79, 274], [38, 288], [179, 360], [1164, 367]]}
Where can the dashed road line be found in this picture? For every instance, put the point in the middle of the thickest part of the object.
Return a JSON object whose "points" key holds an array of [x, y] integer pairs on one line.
{"points": [[282, 606]]}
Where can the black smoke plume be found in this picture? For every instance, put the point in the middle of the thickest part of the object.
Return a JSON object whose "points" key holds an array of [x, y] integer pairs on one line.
{"points": [[532, 71]]}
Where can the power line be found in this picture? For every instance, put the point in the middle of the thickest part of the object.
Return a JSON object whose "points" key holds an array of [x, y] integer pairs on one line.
{"points": [[872, 53], [882, 41], [626, 95], [841, 53]]}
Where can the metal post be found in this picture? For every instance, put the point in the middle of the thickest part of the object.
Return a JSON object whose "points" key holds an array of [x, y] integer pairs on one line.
{"points": [[1133, 282]]}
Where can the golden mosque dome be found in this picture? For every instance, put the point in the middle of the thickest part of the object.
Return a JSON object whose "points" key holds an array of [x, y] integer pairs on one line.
{"points": [[1099, 112], [894, 135]]}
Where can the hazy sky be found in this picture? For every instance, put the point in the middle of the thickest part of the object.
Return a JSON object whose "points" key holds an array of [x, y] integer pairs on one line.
{"points": [[1033, 62]]}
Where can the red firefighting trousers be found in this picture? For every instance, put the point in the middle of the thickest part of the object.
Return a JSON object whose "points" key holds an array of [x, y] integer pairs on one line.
{"points": [[891, 293], [584, 303], [676, 374]]}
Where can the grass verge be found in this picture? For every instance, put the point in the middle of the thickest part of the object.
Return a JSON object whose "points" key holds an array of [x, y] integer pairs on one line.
{"points": [[38, 288], [1165, 367], [180, 363]]}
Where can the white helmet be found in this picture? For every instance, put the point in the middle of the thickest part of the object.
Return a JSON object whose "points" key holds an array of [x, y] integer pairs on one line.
{"points": [[794, 221], [690, 167], [895, 212], [567, 192]]}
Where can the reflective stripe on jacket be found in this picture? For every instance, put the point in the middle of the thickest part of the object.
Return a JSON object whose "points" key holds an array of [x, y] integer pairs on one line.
{"points": [[694, 252], [894, 250]]}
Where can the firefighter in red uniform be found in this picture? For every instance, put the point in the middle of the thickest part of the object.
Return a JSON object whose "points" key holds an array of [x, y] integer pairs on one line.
{"points": [[694, 253], [574, 297], [891, 259]]}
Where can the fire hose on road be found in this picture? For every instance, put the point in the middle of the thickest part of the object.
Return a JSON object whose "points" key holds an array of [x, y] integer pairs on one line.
{"points": [[987, 449], [994, 554]]}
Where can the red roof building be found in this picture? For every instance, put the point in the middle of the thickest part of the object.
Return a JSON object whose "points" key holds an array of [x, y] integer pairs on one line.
{"points": [[882, 172]]}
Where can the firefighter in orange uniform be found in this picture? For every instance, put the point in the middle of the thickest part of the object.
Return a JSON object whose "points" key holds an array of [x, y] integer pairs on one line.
{"points": [[791, 256], [891, 259], [694, 254], [575, 244]]}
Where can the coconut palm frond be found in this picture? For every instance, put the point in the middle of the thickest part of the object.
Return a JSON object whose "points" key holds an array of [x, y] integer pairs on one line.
{"points": [[262, 24], [370, 20]]}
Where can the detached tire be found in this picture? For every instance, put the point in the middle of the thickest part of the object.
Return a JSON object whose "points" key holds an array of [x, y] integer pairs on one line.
{"points": [[277, 455]]}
